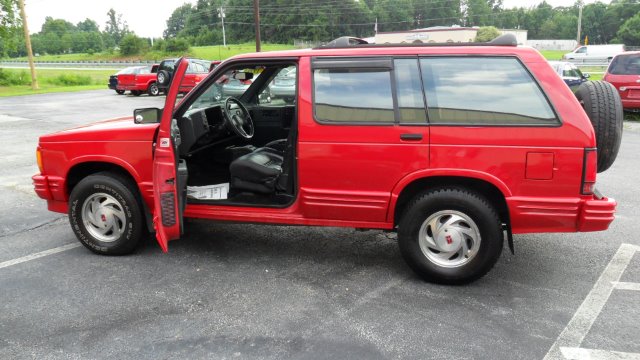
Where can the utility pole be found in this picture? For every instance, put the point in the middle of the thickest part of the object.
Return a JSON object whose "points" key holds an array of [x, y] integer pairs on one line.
{"points": [[579, 24], [222, 15], [27, 40], [256, 17]]}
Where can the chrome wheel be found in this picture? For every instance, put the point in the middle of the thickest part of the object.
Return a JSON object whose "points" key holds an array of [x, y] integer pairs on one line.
{"points": [[449, 238], [103, 217]]}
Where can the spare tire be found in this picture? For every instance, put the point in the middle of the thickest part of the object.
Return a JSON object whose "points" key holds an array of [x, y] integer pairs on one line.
{"points": [[602, 104], [164, 77]]}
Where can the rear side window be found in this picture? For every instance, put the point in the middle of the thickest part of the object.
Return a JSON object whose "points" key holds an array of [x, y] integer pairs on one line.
{"points": [[353, 95], [483, 91], [625, 65], [409, 92]]}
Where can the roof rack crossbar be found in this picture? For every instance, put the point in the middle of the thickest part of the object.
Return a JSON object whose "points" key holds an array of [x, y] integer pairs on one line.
{"points": [[350, 42]]}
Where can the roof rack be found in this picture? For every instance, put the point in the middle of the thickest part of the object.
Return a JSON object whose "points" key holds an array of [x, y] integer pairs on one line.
{"points": [[350, 42]]}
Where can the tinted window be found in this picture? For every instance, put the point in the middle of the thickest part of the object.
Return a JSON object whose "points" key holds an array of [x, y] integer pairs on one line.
{"points": [[409, 92], [625, 65], [167, 65], [353, 95], [486, 91]]}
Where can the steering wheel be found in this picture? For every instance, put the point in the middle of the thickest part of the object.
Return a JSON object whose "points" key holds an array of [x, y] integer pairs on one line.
{"points": [[238, 118]]}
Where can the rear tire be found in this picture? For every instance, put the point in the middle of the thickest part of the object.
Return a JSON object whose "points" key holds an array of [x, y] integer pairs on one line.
{"points": [[136, 92], [106, 214], [450, 235], [164, 78], [119, 92], [602, 104]]}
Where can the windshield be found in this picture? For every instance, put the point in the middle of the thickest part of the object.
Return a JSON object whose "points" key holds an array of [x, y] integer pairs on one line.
{"points": [[625, 65], [234, 82]]}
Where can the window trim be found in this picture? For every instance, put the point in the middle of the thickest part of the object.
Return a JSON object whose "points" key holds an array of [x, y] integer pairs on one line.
{"points": [[424, 94], [557, 123]]}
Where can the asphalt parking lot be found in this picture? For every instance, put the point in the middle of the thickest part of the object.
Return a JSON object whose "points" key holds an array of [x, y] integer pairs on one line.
{"points": [[246, 291]]}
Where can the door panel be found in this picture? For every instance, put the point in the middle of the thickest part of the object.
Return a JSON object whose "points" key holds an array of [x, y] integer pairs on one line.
{"points": [[168, 201]]}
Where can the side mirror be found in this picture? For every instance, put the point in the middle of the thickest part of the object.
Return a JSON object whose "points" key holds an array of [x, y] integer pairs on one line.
{"points": [[586, 75], [243, 76], [147, 116]]}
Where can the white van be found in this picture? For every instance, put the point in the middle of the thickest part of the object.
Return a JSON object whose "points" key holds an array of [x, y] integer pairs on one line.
{"points": [[595, 52]]}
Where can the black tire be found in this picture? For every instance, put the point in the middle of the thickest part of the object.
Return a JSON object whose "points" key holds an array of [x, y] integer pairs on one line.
{"points": [[119, 92], [136, 92], [153, 89], [602, 104], [436, 204], [164, 77], [127, 204]]}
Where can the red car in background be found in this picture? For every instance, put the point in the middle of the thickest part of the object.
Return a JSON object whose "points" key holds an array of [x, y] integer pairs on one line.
{"points": [[624, 74], [140, 79]]}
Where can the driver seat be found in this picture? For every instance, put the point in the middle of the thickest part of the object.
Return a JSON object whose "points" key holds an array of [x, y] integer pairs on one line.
{"points": [[257, 171], [265, 170]]}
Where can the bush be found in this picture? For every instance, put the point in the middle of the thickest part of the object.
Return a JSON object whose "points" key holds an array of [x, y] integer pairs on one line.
{"points": [[11, 78], [487, 33], [132, 45], [70, 80], [177, 45]]}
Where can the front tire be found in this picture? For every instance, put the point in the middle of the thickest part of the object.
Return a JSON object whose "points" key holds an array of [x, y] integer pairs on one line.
{"points": [[153, 90], [136, 92], [119, 92], [450, 236], [105, 215]]}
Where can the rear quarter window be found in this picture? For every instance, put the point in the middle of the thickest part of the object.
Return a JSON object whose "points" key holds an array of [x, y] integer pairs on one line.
{"points": [[483, 91]]}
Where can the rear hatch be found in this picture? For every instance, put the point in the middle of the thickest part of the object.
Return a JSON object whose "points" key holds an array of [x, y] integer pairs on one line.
{"points": [[624, 74]]}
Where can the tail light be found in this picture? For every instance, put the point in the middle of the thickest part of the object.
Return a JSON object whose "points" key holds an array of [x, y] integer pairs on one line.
{"points": [[589, 171]]}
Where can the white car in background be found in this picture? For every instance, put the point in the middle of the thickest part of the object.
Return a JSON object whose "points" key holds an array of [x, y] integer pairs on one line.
{"points": [[595, 52]]}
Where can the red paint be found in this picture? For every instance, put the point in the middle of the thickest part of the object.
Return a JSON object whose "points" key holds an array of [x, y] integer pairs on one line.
{"points": [[353, 176], [138, 82], [628, 86]]}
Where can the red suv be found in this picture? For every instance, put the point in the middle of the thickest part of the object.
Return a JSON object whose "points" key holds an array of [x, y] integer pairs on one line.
{"points": [[624, 74], [455, 147]]}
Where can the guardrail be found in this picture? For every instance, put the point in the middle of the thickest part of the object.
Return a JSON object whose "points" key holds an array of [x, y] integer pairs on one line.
{"points": [[88, 63]]}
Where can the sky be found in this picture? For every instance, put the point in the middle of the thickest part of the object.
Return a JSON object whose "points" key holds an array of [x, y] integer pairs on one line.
{"points": [[148, 18]]}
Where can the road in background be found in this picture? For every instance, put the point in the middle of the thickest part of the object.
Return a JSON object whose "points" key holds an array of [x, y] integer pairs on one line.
{"points": [[276, 292]]}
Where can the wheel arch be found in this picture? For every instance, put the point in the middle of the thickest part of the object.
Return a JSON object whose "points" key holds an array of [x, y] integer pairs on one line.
{"points": [[82, 169], [496, 193]]}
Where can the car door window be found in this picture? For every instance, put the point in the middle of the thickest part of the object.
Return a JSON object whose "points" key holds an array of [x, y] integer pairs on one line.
{"points": [[353, 95], [281, 90], [409, 92]]}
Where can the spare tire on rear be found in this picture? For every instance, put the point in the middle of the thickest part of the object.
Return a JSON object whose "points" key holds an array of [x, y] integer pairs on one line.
{"points": [[602, 104], [164, 77]]}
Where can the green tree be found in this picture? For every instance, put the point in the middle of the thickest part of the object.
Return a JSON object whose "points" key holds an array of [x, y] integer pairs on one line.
{"points": [[116, 27], [176, 22], [478, 13], [487, 33], [88, 25], [629, 32], [177, 45], [10, 27]]}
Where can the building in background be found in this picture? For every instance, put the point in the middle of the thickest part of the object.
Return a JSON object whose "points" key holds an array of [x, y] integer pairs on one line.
{"points": [[440, 34]]}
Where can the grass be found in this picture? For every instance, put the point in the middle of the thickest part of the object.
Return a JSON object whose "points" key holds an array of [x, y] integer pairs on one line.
{"points": [[553, 54], [51, 80], [216, 52]]}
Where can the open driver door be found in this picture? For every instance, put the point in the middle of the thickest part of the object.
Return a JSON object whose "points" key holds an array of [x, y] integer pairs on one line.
{"points": [[169, 173]]}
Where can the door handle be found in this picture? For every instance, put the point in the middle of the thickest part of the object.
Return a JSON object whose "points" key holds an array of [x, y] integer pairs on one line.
{"points": [[411, 137]]}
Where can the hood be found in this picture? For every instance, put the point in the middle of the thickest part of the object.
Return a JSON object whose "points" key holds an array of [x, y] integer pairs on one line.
{"points": [[120, 129]]}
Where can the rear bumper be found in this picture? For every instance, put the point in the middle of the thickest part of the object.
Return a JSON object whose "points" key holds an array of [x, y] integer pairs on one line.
{"points": [[543, 215], [596, 214], [628, 104], [52, 189], [132, 87]]}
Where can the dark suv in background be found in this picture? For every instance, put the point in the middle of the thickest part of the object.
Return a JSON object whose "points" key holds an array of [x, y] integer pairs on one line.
{"points": [[197, 71]]}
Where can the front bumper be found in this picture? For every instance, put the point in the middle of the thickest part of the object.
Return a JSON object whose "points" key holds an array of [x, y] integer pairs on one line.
{"points": [[52, 189]]}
